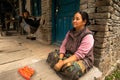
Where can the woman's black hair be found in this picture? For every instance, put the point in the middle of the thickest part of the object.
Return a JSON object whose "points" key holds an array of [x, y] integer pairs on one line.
{"points": [[85, 16]]}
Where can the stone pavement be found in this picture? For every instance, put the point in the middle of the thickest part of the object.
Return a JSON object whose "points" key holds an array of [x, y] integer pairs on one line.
{"points": [[17, 51]]}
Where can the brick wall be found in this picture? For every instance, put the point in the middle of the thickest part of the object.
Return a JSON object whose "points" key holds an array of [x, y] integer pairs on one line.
{"points": [[105, 22]]}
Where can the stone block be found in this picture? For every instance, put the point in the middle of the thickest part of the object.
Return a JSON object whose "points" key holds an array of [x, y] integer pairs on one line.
{"points": [[102, 3], [100, 39], [116, 7], [101, 45], [104, 9], [100, 15], [103, 34], [114, 17], [83, 2], [117, 13], [92, 21], [101, 21], [91, 5], [84, 6], [92, 74], [116, 1], [99, 28], [106, 65], [97, 53], [90, 10], [90, 1]]}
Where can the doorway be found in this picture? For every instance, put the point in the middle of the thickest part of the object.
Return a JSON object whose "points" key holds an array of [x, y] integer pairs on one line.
{"points": [[63, 13]]}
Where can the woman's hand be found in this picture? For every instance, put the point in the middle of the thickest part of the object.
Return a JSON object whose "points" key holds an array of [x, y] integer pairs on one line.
{"points": [[59, 65]]}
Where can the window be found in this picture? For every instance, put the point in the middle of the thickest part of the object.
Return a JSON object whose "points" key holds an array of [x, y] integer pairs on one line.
{"points": [[36, 7]]}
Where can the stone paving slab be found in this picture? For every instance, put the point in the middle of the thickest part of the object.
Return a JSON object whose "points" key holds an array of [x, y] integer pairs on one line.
{"points": [[14, 56], [93, 74], [10, 49], [8, 43], [19, 63], [44, 72]]}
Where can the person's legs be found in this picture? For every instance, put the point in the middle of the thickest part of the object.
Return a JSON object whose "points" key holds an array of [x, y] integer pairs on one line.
{"points": [[25, 27], [73, 70], [32, 33], [28, 30], [52, 58], [70, 71]]}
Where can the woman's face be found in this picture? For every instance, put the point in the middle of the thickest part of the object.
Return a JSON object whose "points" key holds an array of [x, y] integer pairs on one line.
{"points": [[77, 22]]}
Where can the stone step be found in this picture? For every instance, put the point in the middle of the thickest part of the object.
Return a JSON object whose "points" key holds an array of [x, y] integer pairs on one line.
{"points": [[44, 72], [19, 63], [14, 56], [9, 33], [92, 74]]}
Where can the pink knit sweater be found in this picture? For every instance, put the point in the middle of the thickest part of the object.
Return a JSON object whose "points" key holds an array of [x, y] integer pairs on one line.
{"points": [[85, 46]]}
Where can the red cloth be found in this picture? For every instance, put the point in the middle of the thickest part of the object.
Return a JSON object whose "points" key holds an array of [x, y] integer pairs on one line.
{"points": [[26, 72]]}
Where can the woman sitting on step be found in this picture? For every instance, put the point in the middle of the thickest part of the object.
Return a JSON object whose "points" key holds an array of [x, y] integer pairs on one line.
{"points": [[75, 56]]}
